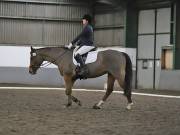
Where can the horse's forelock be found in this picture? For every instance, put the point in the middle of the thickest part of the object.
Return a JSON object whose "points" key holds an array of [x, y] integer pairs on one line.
{"points": [[34, 52]]}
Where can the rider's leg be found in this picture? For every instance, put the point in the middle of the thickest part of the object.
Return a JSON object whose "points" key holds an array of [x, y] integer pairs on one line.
{"points": [[78, 56], [84, 49], [83, 69], [79, 59]]}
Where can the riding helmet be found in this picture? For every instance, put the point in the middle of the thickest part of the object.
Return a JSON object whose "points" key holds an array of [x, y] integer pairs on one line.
{"points": [[87, 17]]}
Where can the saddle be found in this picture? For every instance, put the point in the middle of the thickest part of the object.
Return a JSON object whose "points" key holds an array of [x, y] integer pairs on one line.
{"points": [[88, 57], [81, 72], [84, 56]]}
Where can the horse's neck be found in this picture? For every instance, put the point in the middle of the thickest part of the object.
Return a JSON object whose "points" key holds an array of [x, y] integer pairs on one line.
{"points": [[53, 55]]}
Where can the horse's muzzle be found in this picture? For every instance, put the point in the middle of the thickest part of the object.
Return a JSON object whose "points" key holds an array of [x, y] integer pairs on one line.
{"points": [[31, 71]]}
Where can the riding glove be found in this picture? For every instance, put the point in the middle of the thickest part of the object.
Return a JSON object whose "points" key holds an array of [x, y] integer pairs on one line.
{"points": [[69, 46]]}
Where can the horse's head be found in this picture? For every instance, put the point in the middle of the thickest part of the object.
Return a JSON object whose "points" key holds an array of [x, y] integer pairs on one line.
{"points": [[35, 61]]}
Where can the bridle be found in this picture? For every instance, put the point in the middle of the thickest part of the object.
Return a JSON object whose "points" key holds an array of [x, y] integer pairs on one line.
{"points": [[43, 65]]}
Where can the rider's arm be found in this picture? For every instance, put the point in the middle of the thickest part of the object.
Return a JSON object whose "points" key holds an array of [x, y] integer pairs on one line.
{"points": [[84, 31]]}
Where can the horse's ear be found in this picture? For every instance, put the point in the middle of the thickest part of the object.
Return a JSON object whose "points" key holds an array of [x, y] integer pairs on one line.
{"points": [[32, 49]]}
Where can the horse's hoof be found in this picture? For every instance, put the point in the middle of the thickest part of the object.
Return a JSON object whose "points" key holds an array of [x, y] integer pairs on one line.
{"points": [[96, 107], [67, 105], [129, 106], [79, 103]]}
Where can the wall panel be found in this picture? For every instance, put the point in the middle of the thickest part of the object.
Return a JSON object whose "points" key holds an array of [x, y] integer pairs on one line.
{"points": [[20, 32], [110, 28], [12, 9], [40, 22], [60, 33], [109, 37], [115, 18]]}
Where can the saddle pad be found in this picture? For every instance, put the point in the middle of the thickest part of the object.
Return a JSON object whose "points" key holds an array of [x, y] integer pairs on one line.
{"points": [[91, 57]]}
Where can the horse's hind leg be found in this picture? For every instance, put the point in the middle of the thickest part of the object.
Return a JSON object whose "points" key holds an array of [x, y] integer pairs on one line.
{"points": [[127, 92], [110, 85]]}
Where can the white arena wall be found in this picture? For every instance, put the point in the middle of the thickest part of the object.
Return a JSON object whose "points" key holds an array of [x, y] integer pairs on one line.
{"points": [[14, 63]]}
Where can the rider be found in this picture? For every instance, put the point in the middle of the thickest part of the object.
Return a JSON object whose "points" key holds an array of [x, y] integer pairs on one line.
{"points": [[84, 43]]}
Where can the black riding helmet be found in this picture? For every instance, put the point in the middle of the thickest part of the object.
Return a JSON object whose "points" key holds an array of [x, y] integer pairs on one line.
{"points": [[87, 17]]}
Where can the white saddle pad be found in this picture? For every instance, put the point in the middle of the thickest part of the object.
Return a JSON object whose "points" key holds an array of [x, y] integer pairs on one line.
{"points": [[91, 57]]}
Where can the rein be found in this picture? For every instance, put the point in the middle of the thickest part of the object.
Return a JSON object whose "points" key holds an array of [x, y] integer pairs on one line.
{"points": [[49, 63]]}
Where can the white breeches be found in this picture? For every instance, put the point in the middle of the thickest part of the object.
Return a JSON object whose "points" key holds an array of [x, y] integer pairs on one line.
{"points": [[83, 49]]}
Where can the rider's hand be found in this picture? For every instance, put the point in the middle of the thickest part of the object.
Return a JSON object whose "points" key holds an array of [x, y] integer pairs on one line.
{"points": [[69, 46]]}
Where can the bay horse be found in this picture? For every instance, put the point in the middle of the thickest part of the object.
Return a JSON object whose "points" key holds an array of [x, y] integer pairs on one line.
{"points": [[116, 64]]}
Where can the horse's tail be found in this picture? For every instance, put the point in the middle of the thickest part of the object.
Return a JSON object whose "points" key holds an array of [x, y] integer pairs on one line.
{"points": [[128, 76]]}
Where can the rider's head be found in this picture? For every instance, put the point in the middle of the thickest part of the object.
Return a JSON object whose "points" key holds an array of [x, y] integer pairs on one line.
{"points": [[86, 19]]}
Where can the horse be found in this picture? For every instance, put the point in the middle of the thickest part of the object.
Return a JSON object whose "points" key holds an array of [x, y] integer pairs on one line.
{"points": [[117, 65]]}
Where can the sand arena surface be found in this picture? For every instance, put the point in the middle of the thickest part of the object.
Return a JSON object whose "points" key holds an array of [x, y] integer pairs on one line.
{"points": [[42, 112]]}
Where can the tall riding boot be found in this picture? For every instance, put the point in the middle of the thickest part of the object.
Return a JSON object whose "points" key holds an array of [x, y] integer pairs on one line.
{"points": [[83, 69]]}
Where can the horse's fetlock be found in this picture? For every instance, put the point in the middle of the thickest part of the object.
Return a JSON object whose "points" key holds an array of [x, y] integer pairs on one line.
{"points": [[68, 93]]}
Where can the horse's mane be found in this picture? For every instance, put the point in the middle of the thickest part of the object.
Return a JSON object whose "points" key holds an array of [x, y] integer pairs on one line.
{"points": [[54, 47], [53, 50]]}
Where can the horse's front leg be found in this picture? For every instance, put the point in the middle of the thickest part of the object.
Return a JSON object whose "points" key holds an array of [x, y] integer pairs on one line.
{"points": [[68, 91], [68, 84]]}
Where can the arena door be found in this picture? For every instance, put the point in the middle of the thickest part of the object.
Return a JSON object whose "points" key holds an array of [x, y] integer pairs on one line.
{"points": [[153, 34]]}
